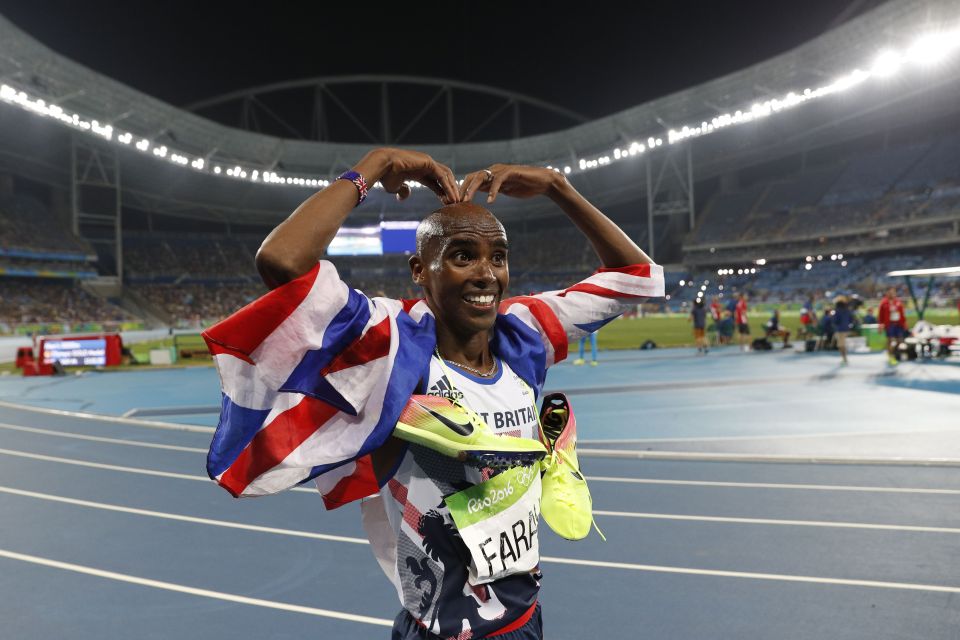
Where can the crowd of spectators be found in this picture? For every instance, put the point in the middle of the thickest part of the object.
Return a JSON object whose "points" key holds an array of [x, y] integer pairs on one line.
{"points": [[905, 185], [197, 305], [159, 257], [45, 301], [26, 224]]}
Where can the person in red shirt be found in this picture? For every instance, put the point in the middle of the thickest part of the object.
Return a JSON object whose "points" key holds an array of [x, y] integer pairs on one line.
{"points": [[892, 317], [740, 318], [716, 314]]}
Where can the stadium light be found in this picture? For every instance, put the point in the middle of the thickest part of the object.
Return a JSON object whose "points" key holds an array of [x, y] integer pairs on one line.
{"points": [[886, 64], [931, 48], [683, 282], [809, 266], [927, 50]]}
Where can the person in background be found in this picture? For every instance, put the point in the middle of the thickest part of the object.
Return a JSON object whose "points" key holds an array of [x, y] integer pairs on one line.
{"points": [[716, 314], [826, 329], [593, 350], [843, 325], [869, 318], [774, 330], [808, 320], [893, 319], [698, 315], [740, 319]]}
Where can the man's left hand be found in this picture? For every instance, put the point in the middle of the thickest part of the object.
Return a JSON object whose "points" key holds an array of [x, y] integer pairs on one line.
{"points": [[515, 180]]}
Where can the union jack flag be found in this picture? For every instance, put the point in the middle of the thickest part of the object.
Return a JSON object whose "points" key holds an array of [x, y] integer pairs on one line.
{"points": [[314, 374]]}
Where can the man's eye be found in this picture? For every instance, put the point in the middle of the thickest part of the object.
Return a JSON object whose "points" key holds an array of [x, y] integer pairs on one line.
{"points": [[499, 258], [461, 256]]}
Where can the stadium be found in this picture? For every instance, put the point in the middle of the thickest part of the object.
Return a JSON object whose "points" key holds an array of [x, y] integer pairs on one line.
{"points": [[766, 458]]}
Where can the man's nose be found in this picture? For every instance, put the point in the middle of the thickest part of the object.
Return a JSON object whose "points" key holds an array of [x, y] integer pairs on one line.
{"points": [[484, 271]]}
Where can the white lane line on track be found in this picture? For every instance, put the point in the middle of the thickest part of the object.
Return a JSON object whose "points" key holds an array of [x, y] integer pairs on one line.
{"points": [[116, 467], [588, 563], [772, 485], [698, 456], [826, 524], [154, 424], [652, 481], [681, 456], [183, 476], [204, 593], [616, 514], [80, 436], [756, 576], [182, 518], [779, 436]]}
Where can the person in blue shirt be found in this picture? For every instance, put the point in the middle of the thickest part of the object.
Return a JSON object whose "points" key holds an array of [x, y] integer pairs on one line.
{"points": [[842, 325]]}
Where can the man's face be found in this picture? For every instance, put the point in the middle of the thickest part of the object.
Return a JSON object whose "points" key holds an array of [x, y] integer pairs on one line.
{"points": [[891, 293], [464, 271]]}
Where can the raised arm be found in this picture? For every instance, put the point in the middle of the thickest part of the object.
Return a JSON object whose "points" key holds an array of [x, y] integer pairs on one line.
{"points": [[295, 246], [613, 246]]}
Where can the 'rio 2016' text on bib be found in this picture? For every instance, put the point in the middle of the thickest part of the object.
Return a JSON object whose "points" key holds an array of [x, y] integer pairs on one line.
{"points": [[498, 521]]}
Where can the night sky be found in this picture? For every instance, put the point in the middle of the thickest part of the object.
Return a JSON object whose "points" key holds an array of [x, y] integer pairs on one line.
{"points": [[596, 62]]}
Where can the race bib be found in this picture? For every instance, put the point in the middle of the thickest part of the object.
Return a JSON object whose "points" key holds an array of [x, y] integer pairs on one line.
{"points": [[894, 315], [498, 521]]}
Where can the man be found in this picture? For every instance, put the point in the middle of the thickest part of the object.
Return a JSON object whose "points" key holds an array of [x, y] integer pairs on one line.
{"points": [[743, 324], [893, 319], [323, 374], [774, 330], [716, 314], [698, 315]]}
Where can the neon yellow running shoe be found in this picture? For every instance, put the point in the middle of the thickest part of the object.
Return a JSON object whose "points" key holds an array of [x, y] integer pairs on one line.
{"points": [[456, 431], [566, 504]]}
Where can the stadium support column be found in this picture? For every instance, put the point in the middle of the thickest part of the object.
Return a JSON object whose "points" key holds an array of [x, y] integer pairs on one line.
{"points": [[95, 201], [669, 175]]}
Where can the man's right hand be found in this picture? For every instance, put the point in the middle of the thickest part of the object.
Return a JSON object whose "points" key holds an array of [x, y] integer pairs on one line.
{"points": [[402, 165]]}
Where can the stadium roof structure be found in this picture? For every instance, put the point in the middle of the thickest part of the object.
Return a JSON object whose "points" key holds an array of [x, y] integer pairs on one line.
{"points": [[921, 307], [30, 67]]}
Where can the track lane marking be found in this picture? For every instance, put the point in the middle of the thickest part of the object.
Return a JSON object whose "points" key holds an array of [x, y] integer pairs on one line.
{"points": [[106, 506], [826, 524], [116, 467], [153, 424], [874, 584], [772, 485], [622, 514], [194, 591], [653, 481], [81, 436], [549, 559]]}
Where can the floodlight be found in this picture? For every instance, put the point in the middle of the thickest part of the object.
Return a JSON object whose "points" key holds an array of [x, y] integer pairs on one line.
{"points": [[932, 48], [886, 64], [809, 266]]}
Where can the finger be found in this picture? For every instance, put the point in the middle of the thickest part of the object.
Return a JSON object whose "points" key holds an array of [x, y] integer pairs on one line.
{"points": [[450, 184], [469, 187], [498, 180], [431, 183], [403, 192]]}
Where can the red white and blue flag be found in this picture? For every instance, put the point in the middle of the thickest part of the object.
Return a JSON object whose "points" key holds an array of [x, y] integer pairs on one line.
{"points": [[314, 374]]}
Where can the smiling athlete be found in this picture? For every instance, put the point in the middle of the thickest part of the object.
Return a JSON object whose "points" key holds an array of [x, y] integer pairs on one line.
{"points": [[321, 381]]}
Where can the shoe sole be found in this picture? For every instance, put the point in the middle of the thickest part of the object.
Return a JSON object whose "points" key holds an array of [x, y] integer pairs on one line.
{"points": [[481, 458]]}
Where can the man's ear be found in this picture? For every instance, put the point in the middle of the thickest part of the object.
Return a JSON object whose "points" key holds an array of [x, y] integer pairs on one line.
{"points": [[416, 269]]}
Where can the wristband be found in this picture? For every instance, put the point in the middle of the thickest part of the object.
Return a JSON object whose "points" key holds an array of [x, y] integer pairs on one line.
{"points": [[358, 182]]}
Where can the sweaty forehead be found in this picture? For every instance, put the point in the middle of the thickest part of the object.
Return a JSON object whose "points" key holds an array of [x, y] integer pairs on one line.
{"points": [[464, 221]]}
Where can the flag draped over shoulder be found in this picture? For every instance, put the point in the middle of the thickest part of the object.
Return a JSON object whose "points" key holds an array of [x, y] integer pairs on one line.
{"points": [[314, 375]]}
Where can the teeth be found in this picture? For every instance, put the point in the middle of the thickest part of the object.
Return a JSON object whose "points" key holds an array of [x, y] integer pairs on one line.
{"points": [[479, 299]]}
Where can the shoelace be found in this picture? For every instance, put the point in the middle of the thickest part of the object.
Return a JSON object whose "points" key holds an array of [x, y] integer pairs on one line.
{"points": [[560, 453]]}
